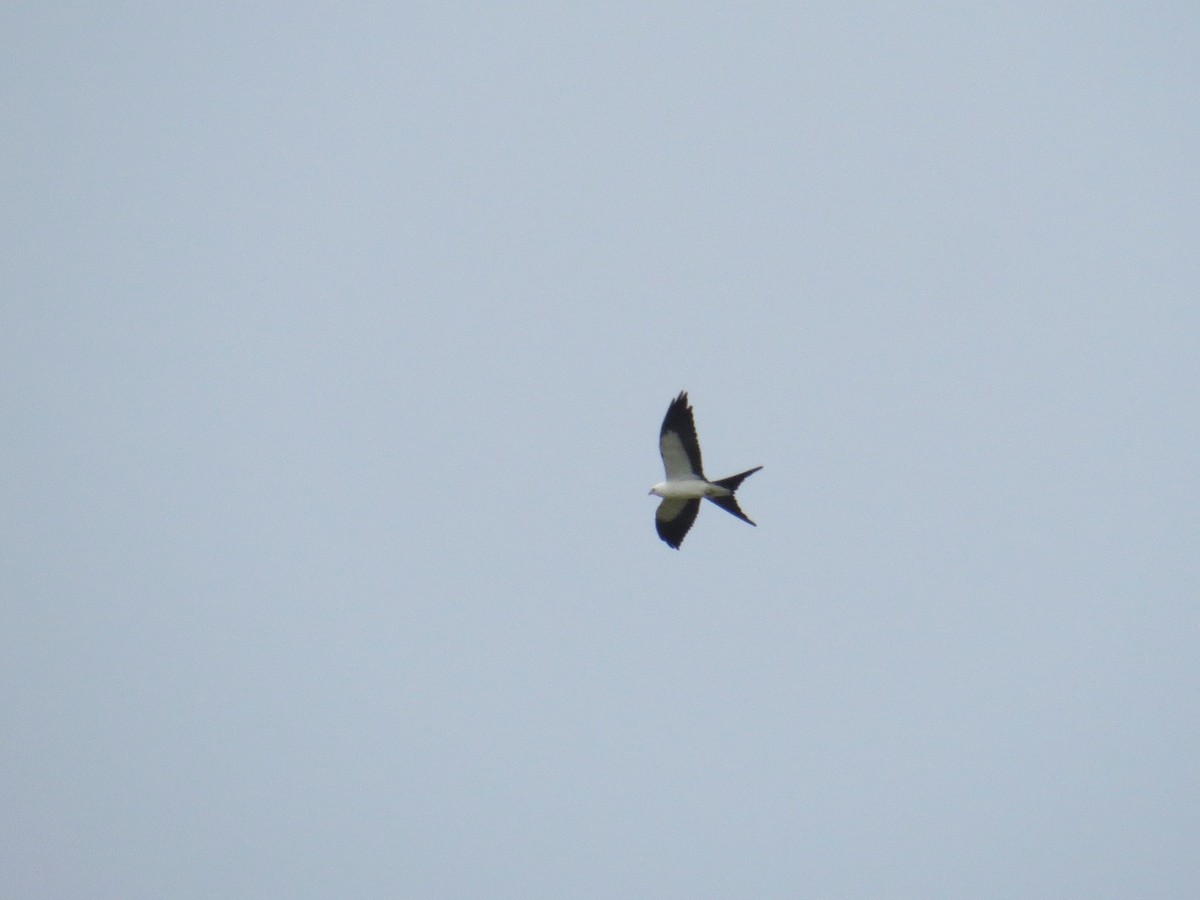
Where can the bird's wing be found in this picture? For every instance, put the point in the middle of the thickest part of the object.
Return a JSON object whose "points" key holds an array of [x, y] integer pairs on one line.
{"points": [[677, 441], [674, 518]]}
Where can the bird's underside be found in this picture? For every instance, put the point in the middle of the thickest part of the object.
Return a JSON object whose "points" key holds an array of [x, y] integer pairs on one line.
{"points": [[685, 485]]}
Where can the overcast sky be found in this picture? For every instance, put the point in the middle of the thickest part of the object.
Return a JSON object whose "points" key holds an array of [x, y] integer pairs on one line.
{"points": [[334, 344]]}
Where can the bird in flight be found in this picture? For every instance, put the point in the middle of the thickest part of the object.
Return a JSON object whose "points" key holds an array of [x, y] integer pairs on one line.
{"points": [[686, 485]]}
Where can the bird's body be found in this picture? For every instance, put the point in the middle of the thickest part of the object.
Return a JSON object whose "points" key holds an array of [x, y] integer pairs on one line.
{"points": [[685, 485], [689, 489]]}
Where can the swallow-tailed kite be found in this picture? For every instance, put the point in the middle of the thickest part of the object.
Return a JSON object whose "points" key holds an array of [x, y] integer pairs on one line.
{"points": [[686, 485]]}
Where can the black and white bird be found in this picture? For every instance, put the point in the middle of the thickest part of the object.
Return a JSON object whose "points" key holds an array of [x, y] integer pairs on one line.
{"points": [[686, 485]]}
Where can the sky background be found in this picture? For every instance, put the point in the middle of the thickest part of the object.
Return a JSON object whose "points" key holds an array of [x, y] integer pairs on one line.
{"points": [[334, 344]]}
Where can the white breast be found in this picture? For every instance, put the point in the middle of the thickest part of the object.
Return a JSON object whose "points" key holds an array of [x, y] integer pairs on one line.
{"points": [[688, 489]]}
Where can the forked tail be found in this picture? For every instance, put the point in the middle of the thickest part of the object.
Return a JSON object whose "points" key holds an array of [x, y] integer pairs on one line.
{"points": [[733, 481], [729, 503]]}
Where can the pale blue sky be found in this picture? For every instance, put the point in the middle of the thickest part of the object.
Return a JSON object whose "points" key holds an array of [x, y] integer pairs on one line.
{"points": [[335, 342]]}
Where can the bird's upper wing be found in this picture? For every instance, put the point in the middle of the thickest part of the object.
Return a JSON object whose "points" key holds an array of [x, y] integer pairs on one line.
{"points": [[678, 443], [674, 518]]}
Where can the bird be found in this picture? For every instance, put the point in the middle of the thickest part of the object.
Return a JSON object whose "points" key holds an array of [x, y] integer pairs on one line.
{"points": [[686, 485]]}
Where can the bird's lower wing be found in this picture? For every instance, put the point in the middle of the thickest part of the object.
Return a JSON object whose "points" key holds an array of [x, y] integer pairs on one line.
{"points": [[674, 518]]}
